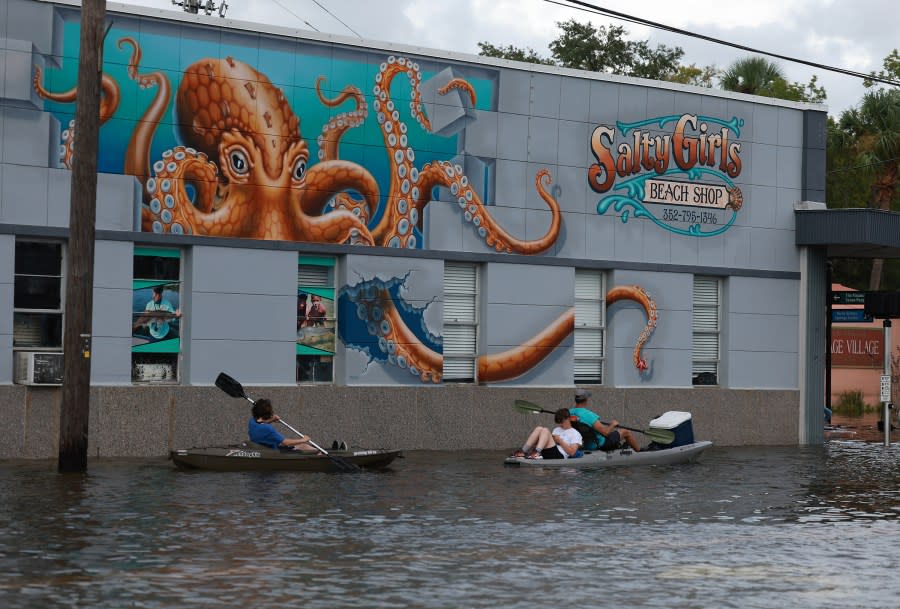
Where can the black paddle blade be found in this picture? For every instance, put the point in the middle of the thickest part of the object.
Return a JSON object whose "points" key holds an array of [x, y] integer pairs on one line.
{"points": [[230, 386], [344, 465]]}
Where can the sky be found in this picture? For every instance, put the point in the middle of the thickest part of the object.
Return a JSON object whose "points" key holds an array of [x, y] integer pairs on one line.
{"points": [[855, 35]]}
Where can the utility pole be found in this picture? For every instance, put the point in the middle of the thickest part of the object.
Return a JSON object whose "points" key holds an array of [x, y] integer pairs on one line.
{"points": [[76, 387]]}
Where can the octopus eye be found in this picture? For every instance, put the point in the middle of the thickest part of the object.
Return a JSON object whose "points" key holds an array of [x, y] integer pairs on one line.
{"points": [[299, 169], [238, 160]]}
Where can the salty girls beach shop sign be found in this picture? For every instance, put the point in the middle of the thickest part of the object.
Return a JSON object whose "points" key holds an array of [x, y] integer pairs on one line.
{"points": [[686, 175]]}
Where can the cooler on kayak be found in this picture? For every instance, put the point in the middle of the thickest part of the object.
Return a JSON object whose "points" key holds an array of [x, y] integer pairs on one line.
{"points": [[680, 423]]}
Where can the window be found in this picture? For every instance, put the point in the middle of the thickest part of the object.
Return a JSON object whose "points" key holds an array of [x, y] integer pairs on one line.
{"points": [[38, 296], [590, 317], [460, 321], [316, 321], [705, 360], [156, 315]]}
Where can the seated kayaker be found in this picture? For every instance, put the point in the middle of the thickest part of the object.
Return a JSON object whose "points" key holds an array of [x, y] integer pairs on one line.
{"points": [[598, 435], [261, 430], [564, 442]]}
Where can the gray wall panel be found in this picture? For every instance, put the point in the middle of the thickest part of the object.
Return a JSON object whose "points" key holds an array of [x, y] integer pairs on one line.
{"points": [[116, 201], [59, 196], [571, 190], [790, 164], [513, 142], [763, 168], [760, 204], [575, 99], [632, 103], [714, 106], [574, 146], [629, 239], [31, 137], [244, 271], [660, 102], [6, 360], [513, 95], [736, 248], [482, 134], [443, 226], [765, 125], [685, 250], [543, 140], [243, 317], [519, 284], [7, 255], [23, 195], [600, 236], [260, 362], [790, 127], [763, 296], [32, 21], [604, 103], [755, 332], [110, 359], [545, 95], [762, 370]]}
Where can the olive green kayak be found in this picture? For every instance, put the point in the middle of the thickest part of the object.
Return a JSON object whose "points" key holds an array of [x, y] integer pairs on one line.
{"points": [[249, 457]]}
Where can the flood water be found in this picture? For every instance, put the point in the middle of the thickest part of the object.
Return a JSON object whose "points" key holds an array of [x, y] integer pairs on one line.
{"points": [[815, 527]]}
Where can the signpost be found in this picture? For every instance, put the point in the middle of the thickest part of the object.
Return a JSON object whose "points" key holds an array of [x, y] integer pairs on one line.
{"points": [[848, 298], [850, 316]]}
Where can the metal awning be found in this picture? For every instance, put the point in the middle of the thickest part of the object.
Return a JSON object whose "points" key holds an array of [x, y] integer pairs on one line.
{"points": [[849, 233]]}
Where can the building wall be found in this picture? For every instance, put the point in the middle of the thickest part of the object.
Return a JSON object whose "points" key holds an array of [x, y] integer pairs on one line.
{"points": [[529, 142]]}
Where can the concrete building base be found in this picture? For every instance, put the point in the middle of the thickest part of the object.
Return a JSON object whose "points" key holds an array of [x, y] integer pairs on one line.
{"points": [[148, 421]]}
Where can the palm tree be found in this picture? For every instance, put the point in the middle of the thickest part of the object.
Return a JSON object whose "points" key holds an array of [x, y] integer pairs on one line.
{"points": [[873, 130], [754, 75]]}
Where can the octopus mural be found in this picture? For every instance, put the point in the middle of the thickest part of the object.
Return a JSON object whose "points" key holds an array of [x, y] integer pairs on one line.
{"points": [[403, 340], [242, 169]]}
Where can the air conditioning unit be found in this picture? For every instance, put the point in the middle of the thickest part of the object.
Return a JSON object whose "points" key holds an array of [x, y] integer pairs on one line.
{"points": [[34, 368]]}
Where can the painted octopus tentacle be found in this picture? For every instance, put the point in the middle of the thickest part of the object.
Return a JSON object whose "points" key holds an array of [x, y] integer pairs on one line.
{"points": [[109, 103], [326, 178], [395, 339], [332, 133], [339, 226], [459, 84], [639, 295], [137, 161], [519, 360], [476, 213], [169, 208]]}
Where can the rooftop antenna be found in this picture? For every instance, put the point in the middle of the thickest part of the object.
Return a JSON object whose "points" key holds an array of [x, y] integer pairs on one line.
{"points": [[208, 7]]}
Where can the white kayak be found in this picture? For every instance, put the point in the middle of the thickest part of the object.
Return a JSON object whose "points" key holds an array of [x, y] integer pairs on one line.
{"points": [[621, 457]]}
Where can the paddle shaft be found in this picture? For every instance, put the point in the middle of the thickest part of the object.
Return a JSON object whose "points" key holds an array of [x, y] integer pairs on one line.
{"points": [[635, 429]]}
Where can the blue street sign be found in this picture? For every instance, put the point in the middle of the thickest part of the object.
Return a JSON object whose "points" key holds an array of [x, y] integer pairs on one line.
{"points": [[850, 315]]}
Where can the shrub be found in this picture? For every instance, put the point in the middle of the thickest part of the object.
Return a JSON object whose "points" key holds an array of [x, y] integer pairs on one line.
{"points": [[851, 404]]}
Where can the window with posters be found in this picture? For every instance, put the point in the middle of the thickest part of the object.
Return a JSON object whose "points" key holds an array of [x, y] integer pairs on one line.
{"points": [[156, 315], [315, 319]]}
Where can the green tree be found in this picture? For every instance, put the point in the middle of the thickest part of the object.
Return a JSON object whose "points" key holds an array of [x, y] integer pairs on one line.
{"points": [[581, 46], [871, 134], [527, 54], [601, 49], [693, 75], [759, 76]]}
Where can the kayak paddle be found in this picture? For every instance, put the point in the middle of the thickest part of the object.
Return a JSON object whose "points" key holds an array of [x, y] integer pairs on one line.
{"points": [[660, 436], [233, 388]]}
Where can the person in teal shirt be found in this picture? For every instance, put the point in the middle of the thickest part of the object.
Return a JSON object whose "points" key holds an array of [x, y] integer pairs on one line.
{"points": [[607, 437]]}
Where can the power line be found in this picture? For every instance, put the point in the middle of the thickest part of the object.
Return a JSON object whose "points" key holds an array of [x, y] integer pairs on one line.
{"points": [[872, 164], [296, 15], [591, 8], [336, 17]]}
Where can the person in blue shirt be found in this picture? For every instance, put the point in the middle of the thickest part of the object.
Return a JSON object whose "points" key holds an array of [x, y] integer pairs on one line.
{"points": [[261, 430], [607, 437]]}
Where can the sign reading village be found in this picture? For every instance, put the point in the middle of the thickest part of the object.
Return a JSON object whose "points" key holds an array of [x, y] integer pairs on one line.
{"points": [[690, 169]]}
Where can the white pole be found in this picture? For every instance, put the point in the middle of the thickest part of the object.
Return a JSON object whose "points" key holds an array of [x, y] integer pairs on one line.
{"points": [[886, 399]]}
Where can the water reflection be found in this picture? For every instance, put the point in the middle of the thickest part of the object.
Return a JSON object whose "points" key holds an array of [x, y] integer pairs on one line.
{"points": [[778, 527]]}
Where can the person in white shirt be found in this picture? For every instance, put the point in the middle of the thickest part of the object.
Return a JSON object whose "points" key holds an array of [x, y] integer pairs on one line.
{"points": [[564, 442]]}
